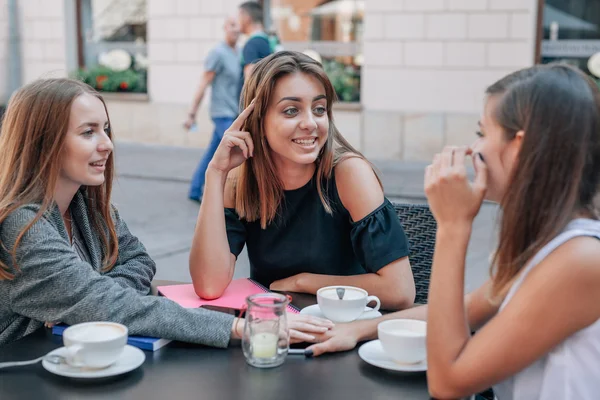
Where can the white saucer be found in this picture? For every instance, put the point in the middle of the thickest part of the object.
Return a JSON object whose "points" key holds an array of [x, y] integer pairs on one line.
{"points": [[315, 311], [372, 353], [130, 359]]}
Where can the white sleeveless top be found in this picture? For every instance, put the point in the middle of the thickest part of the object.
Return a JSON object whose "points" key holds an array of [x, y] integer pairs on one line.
{"points": [[571, 371]]}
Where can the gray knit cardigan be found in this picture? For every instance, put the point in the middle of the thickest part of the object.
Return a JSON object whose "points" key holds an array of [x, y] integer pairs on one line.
{"points": [[52, 284]]}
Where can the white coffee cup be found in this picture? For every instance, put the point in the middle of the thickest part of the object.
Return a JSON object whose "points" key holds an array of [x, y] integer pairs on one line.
{"points": [[94, 344], [349, 308], [403, 339]]}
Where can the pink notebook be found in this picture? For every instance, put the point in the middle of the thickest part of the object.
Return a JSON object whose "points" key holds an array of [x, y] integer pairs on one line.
{"points": [[233, 297]]}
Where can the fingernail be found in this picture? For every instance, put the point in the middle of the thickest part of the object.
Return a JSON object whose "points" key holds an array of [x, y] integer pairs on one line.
{"points": [[253, 101], [480, 157], [308, 353]]}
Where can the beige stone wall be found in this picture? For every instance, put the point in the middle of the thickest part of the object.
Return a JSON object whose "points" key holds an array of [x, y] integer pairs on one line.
{"points": [[43, 44], [43, 39], [427, 64]]}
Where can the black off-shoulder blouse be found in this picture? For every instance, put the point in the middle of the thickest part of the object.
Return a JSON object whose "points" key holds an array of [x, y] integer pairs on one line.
{"points": [[305, 238]]}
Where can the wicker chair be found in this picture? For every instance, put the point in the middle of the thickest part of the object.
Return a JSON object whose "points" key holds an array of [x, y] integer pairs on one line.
{"points": [[420, 228]]}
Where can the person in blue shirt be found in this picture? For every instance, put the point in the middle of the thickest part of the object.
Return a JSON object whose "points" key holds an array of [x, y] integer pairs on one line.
{"points": [[258, 45], [221, 71]]}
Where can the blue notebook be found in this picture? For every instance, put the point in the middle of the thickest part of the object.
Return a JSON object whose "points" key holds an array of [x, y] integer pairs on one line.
{"points": [[141, 342]]}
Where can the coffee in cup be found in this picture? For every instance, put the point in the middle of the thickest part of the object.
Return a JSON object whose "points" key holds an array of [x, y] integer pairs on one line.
{"points": [[94, 344], [403, 340], [349, 307]]}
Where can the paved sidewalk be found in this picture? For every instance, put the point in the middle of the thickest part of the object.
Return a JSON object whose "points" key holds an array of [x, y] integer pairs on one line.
{"points": [[151, 193]]}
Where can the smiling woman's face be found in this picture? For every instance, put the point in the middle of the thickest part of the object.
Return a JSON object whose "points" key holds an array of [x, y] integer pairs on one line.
{"points": [[296, 122], [87, 143]]}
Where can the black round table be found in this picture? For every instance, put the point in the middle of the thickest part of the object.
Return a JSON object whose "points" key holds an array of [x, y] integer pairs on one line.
{"points": [[184, 371]]}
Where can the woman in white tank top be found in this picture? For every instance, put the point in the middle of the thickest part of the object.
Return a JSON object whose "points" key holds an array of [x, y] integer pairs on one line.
{"points": [[538, 317], [538, 155]]}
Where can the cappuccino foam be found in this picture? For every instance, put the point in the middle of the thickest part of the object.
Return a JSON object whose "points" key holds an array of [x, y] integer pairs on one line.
{"points": [[96, 333]]}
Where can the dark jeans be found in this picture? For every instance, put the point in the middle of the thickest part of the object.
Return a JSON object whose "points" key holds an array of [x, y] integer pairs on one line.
{"points": [[197, 187]]}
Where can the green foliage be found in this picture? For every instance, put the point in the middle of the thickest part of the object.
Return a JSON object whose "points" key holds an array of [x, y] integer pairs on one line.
{"points": [[106, 80], [345, 80]]}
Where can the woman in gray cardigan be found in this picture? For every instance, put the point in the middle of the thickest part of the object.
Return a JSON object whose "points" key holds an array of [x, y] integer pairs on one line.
{"points": [[65, 254]]}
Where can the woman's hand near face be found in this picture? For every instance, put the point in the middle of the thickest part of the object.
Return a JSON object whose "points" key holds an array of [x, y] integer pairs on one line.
{"points": [[452, 198], [235, 147]]}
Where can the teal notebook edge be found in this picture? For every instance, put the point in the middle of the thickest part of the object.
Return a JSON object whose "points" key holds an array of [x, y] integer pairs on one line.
{"points": [[141, 342]]}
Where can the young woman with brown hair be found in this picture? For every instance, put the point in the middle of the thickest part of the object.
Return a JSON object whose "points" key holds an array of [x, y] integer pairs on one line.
{"points": [[65, 253], [538, 316], [308, 206]]}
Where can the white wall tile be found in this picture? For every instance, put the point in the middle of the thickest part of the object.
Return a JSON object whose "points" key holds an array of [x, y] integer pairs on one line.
{"points": [[488, 26], [188, 8], [3, 10], [467, 5], [383, 5], [465, 54], [408, 26], [160, 8], [374, 26], [513, 5], [212, 7], [173, 83], [54, 50], [189, 51], [383, 53], [521, 26], [3, 29], [51, 9], [32, 51], [424, 54], [201, 28], [446, 26], [3, 55], [461, 128], [423, 5], [41, 69], [383, 134], [510, 54], [169, 28], [423, 136], [161, 51]]}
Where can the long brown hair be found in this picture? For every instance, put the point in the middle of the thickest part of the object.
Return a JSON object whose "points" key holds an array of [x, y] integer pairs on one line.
{"points": [[259, 190], [31, 143], [558, 167]]}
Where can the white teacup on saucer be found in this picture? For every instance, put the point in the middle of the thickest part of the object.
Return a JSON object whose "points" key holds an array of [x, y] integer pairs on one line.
{"points": [[403, 340], [372, 353], [94, 344], [347, 308], [130, 359]]}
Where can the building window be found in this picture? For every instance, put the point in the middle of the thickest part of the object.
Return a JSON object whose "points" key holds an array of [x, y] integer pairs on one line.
{"points": [[571, 33], [330, 31], [112, 43]]}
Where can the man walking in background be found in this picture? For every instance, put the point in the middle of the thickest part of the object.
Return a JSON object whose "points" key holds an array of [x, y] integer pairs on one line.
{"points": [[258, 45], [221, 71]]}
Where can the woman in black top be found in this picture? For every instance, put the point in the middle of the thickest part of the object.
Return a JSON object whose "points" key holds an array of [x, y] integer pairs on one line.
{"points": [[308, 205]]}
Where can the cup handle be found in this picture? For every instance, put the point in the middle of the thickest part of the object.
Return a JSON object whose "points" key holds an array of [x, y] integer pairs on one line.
{"points": [[376, 299], [73, 355]]}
